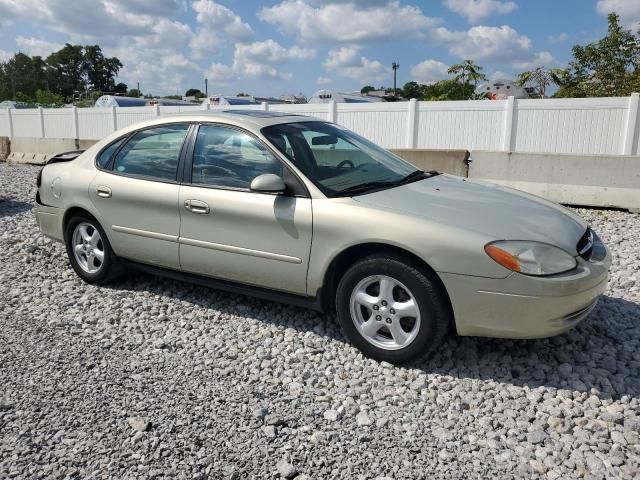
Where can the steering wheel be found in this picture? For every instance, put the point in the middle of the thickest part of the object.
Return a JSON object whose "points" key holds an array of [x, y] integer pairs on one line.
{"points": [[346, 163]]}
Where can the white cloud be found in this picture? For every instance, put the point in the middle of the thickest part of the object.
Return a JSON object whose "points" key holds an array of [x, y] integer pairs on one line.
{"points": [[146, 7], [539, 59], [629, 10], [323, 81], [221, 74], [258, 60], [475, 10], [347, 62], [429, 71], [158, 31], [5, 56], [559, 38], [163, 72], [36, 46], [216, 26], [270, 51], [497, 75], [480, 43], [335, 22], [498, 45]]}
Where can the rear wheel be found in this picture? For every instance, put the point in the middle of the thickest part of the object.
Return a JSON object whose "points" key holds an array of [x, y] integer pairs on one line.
{"points": [[89, 251], [390, 310]]}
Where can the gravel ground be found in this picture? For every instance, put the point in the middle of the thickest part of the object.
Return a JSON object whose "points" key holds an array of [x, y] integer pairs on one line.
{"points": [[156, 378]]}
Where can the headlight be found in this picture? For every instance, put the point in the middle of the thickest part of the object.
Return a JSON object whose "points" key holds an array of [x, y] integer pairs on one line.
{"points": [[530, 258]]}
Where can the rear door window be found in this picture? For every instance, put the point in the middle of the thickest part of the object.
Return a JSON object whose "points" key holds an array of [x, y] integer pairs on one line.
{"points": [[152, 153]]}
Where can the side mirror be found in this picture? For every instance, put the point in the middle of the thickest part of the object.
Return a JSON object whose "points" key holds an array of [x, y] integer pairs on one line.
{"points": [[268, 183]]}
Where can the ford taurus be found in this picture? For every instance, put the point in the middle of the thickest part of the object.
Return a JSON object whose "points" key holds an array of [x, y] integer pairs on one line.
{"points": [[295, 209]]}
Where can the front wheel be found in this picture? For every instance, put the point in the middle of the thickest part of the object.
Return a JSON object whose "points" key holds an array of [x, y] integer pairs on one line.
{"points": [[390, 310], [89, 251]]}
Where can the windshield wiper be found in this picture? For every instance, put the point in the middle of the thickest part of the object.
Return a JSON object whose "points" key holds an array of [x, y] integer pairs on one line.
{"points": [[417, 175], [368, 186], [364, 187]]}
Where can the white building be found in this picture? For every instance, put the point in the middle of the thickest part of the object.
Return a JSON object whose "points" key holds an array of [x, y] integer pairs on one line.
{"points": [[501, 89], [325, 96]]}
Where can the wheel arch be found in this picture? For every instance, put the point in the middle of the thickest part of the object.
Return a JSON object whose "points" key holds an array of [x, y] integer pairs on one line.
{"points": [[347, 257], [77, 210]]}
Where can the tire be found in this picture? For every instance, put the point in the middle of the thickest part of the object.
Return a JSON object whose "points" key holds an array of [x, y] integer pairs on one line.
{"points": [[81, 229], [412, 329]]}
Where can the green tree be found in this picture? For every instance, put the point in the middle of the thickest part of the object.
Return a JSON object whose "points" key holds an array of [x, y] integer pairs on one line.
{"points": [[22, 75], [134, 92], [66, 71], [449, 89], [606, 68], [194, 92], [48, 99], [412, 90], [100, 71], [467, 72], [366, 89], [539, 79], [120, 88]]}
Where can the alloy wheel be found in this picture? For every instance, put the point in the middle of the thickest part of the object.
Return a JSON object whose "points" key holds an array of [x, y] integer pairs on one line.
{"points": [[385, 312], [88, 247]]}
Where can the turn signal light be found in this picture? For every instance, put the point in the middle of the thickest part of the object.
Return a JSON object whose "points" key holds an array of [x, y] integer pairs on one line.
{"points": [[503, 257]]}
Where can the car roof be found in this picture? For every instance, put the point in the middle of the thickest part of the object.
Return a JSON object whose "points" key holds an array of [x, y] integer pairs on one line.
{"points": [[250, 118]]}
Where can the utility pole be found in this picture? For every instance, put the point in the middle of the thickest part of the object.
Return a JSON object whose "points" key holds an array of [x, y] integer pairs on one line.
{"points": [[395, 67], [206, 87], [138, 88]]}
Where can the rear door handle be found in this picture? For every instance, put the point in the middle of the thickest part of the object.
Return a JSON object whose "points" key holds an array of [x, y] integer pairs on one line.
{"points": [[197, 206], [102, 191]]}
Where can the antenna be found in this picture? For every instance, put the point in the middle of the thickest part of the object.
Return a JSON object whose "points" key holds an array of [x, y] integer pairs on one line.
{"points": [[395, 67]]}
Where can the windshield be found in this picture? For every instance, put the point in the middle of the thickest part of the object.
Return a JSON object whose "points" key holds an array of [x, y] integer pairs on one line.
{"points": [[337, 161]]}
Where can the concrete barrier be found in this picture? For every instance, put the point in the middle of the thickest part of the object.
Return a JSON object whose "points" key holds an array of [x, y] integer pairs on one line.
{"points": [[5, 148], [38, 150], [454, 162], [590, 180]]}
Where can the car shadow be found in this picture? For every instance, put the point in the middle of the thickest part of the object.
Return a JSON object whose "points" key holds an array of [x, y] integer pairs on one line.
{"points": [[598, 357], [9, 207]]}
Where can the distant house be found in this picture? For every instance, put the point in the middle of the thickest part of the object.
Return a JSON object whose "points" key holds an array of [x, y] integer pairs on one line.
{"points": [[325, 96], [243, 100], [386, 96], [12, 104], [169, 102], [501, 89], [294, 99], [107, 101]]}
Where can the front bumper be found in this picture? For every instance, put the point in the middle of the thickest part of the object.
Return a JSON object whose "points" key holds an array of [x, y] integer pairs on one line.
{"points": [[49, 220], [521, 306]]}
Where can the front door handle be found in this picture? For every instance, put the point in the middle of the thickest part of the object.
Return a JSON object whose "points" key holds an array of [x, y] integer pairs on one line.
{"points": [[102, 191], [197, 206]]}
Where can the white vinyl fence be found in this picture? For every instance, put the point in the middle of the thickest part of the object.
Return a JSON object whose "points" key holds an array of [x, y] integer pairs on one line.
{"points": [[607, 126]]}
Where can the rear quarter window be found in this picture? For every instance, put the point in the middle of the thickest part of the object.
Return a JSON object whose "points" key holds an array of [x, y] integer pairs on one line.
{"points": [[107, 153]]}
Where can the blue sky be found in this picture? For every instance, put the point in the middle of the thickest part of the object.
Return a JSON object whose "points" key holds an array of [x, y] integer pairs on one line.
{"points": [[291, 46]]}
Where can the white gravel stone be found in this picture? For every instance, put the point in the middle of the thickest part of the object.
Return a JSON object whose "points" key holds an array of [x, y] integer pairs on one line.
{"points": [[363, 420], [332, 415], [234, 385], [139, 424], [286, 470]]}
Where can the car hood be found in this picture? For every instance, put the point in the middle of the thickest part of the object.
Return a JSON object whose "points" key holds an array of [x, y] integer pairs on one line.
{"points": [[499, 212]]}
